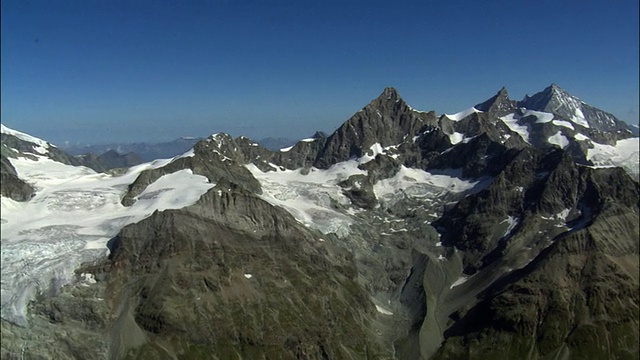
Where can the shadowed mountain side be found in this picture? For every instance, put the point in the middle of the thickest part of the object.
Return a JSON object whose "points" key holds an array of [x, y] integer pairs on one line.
{"points": [[251, 274]]}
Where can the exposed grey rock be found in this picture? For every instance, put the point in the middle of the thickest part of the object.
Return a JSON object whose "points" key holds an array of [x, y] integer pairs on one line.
{"points": [[11, 185], [498, 105], [387, 120], [259, 284], [540, 263], [565, 106], [275, 143], [112, 159]]}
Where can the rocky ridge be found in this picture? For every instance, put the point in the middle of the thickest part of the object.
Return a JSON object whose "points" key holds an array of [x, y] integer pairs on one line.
{"points": [[460, 270]]}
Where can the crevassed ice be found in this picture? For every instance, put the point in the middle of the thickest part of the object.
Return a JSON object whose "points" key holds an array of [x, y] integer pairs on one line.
{"points": [[308, 197], [69, 221], [420, 183]]}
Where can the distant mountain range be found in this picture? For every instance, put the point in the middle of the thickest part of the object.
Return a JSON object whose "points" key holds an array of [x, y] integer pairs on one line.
{"points": [[508, 230], [144, 152]]}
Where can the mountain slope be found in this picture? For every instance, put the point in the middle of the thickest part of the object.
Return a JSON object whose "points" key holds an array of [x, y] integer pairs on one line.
{"points": [[565, 106], [482, 234]]}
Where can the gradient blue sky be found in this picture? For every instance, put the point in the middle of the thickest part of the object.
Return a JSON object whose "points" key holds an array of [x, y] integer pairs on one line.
{"points": [[102, 71]]}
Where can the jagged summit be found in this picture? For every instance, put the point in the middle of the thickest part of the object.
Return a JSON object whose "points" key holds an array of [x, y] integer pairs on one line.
{"points": [[542, 101], [498, 105], [387, 121], [555, 100], [319, 135], [388, 97], [389, 93], [400, 235]]}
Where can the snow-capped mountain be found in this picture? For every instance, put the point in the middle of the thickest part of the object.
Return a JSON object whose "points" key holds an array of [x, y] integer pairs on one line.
{"points": [[403, 234], [551, 118], [19, 144], [565, 106], [70, 215]]}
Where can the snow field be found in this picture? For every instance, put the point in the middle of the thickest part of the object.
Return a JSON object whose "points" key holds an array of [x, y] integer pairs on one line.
{"points": [[511, 121], [69, 221]]}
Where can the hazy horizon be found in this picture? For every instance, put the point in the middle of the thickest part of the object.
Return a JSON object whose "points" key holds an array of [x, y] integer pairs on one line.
{"points": [[149, 72]]}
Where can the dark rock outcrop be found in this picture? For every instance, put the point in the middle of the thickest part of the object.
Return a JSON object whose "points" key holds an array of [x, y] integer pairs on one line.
{"points": [[11, 185], [387, 120]]}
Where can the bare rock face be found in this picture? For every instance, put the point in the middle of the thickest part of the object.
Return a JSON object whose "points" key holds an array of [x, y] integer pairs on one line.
{"points": [[216, 158], [11, 185], [387, 120], [235, 275], [555, 100], [536, 258], [557, 303], [498, 105], [578, 300]]}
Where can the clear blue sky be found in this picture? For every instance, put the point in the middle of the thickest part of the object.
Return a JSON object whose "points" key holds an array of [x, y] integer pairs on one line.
{"points": [[101, 71]]}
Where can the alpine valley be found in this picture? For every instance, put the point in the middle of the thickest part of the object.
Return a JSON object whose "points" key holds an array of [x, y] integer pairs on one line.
{"points": [[505, 231]]}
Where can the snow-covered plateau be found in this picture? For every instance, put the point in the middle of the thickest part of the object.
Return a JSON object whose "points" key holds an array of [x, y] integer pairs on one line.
{"points": [[73, 215]]}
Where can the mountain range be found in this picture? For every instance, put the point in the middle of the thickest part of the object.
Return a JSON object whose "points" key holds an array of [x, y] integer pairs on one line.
{"points": [[145, 152], [508, 230]]}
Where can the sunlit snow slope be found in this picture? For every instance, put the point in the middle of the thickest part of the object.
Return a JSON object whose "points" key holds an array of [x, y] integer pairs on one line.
{"points": [[69, 221], [316, 199], [623, 154]]}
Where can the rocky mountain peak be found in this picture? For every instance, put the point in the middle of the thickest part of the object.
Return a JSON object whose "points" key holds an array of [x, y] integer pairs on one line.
{"points": [[389, 93], [319, 135], [400, 235], [386, 99], [555, 100], [387, 121], [498, 105]]}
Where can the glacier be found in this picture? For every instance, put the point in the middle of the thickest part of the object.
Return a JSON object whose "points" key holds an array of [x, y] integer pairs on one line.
{"points": [[73, 215]]}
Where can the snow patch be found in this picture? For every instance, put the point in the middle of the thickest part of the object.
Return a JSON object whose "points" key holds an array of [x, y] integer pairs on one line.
{"points": [[581, 137], [624, 154], [456, 138], [513, 222], [383, 310], [579, 118], [558, 139], [542, 117], [563, 123], [374, 150], [462, 114], [511, 121], [461, 280]]}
